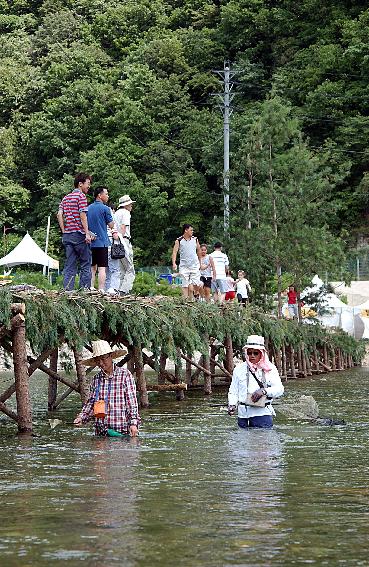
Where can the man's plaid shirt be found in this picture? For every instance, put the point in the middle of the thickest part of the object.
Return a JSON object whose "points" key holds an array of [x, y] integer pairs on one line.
{"points": [[121, 407]]}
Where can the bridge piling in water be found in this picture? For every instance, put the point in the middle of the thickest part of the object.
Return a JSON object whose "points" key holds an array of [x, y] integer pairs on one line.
{"points": [[219, 347]]}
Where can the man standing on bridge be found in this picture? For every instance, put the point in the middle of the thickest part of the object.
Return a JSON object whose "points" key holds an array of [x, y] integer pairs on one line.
{"points": [[189, 265], [72, 218]]}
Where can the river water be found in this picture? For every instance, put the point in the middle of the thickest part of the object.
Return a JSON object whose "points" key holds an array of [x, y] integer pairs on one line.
{"points": [[194, 490]]}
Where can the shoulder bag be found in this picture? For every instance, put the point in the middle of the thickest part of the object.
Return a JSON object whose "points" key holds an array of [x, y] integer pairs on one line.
{"points": [[261, 401]]}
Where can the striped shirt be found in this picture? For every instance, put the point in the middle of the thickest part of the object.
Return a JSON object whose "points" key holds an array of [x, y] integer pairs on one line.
{"points": [[72, 205], [121, 407]]}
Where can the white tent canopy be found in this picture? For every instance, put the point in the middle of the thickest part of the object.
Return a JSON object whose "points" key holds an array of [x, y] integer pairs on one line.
{"points": [[28, 252]]}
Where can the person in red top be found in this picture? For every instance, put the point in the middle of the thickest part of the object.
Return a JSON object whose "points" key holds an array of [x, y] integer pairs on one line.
{"points": [[72, 218], [292, 302]]}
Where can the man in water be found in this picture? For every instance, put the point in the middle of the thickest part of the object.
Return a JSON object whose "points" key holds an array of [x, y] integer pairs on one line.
{"points": [[254, 380], [114, 387]]}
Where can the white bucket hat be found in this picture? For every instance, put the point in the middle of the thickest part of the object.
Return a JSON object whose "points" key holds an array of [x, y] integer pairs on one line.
{"points": [[125, 200], [255, 341], [100, 348]]}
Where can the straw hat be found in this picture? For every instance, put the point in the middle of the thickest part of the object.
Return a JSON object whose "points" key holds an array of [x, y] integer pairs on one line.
{"points": [[125, 200], [100, 348], [255, 341]]}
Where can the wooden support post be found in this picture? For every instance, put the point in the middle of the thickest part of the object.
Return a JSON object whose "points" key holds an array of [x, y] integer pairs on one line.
{"points": [[131, 361], [316, 359], [150, 362], [303, 361], [202, 368], [140, 376], [196, 374], [292, 362], [188, 373], [299, 360], [325, 355], [8, 412], [178, 375], [162, 365], [284, 361], [24, 410], [213, 353], [229, 364], [308, 365], [277, 358], [221, 367], [325, 366], [206, 364], [53, 383], [65, 394], [81, 376], [62, 379], [334, 366]]}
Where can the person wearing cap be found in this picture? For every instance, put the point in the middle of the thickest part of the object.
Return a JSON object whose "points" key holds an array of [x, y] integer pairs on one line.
{"points": [[122, 220], [255, 378], [112, 400]]}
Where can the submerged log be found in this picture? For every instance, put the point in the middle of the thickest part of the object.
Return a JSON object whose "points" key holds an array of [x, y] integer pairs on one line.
{"points": [[167, 387]]}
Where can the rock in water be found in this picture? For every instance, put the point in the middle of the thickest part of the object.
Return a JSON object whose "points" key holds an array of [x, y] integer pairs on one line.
{"points": [[302, 407], [54, 422]]}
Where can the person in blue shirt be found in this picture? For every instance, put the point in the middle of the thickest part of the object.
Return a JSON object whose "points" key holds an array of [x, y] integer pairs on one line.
{"points": [[99, 218]]}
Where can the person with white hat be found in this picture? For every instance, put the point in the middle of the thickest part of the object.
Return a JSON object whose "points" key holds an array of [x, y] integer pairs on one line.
{"points": [[122, 220], [112, 401], [255, 383]]}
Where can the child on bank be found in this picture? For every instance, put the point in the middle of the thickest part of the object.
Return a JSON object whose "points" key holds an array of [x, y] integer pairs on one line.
{"points": [[230, 293], [243, 287]]}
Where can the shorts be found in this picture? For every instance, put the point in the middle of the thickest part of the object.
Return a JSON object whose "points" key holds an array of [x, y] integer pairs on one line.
{"points": [[99, 256], [219, 285], [243, 300], [230, 295], [293, 310], [260, 421], [206, 281], [190, 276]]}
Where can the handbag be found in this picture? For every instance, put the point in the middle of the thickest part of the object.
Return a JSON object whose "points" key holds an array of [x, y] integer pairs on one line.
{"points": [[261, 401], [101, 406], [117, 251]]}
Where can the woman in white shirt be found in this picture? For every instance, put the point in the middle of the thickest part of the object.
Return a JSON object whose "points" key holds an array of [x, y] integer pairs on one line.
{"points": [[255, 381]]}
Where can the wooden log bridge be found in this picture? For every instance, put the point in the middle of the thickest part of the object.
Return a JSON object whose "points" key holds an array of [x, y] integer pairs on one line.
{"points": [[38, 329]]}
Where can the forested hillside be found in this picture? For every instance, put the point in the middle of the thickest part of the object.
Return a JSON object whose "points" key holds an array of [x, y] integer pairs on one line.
{"points": [[123, 90]]}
